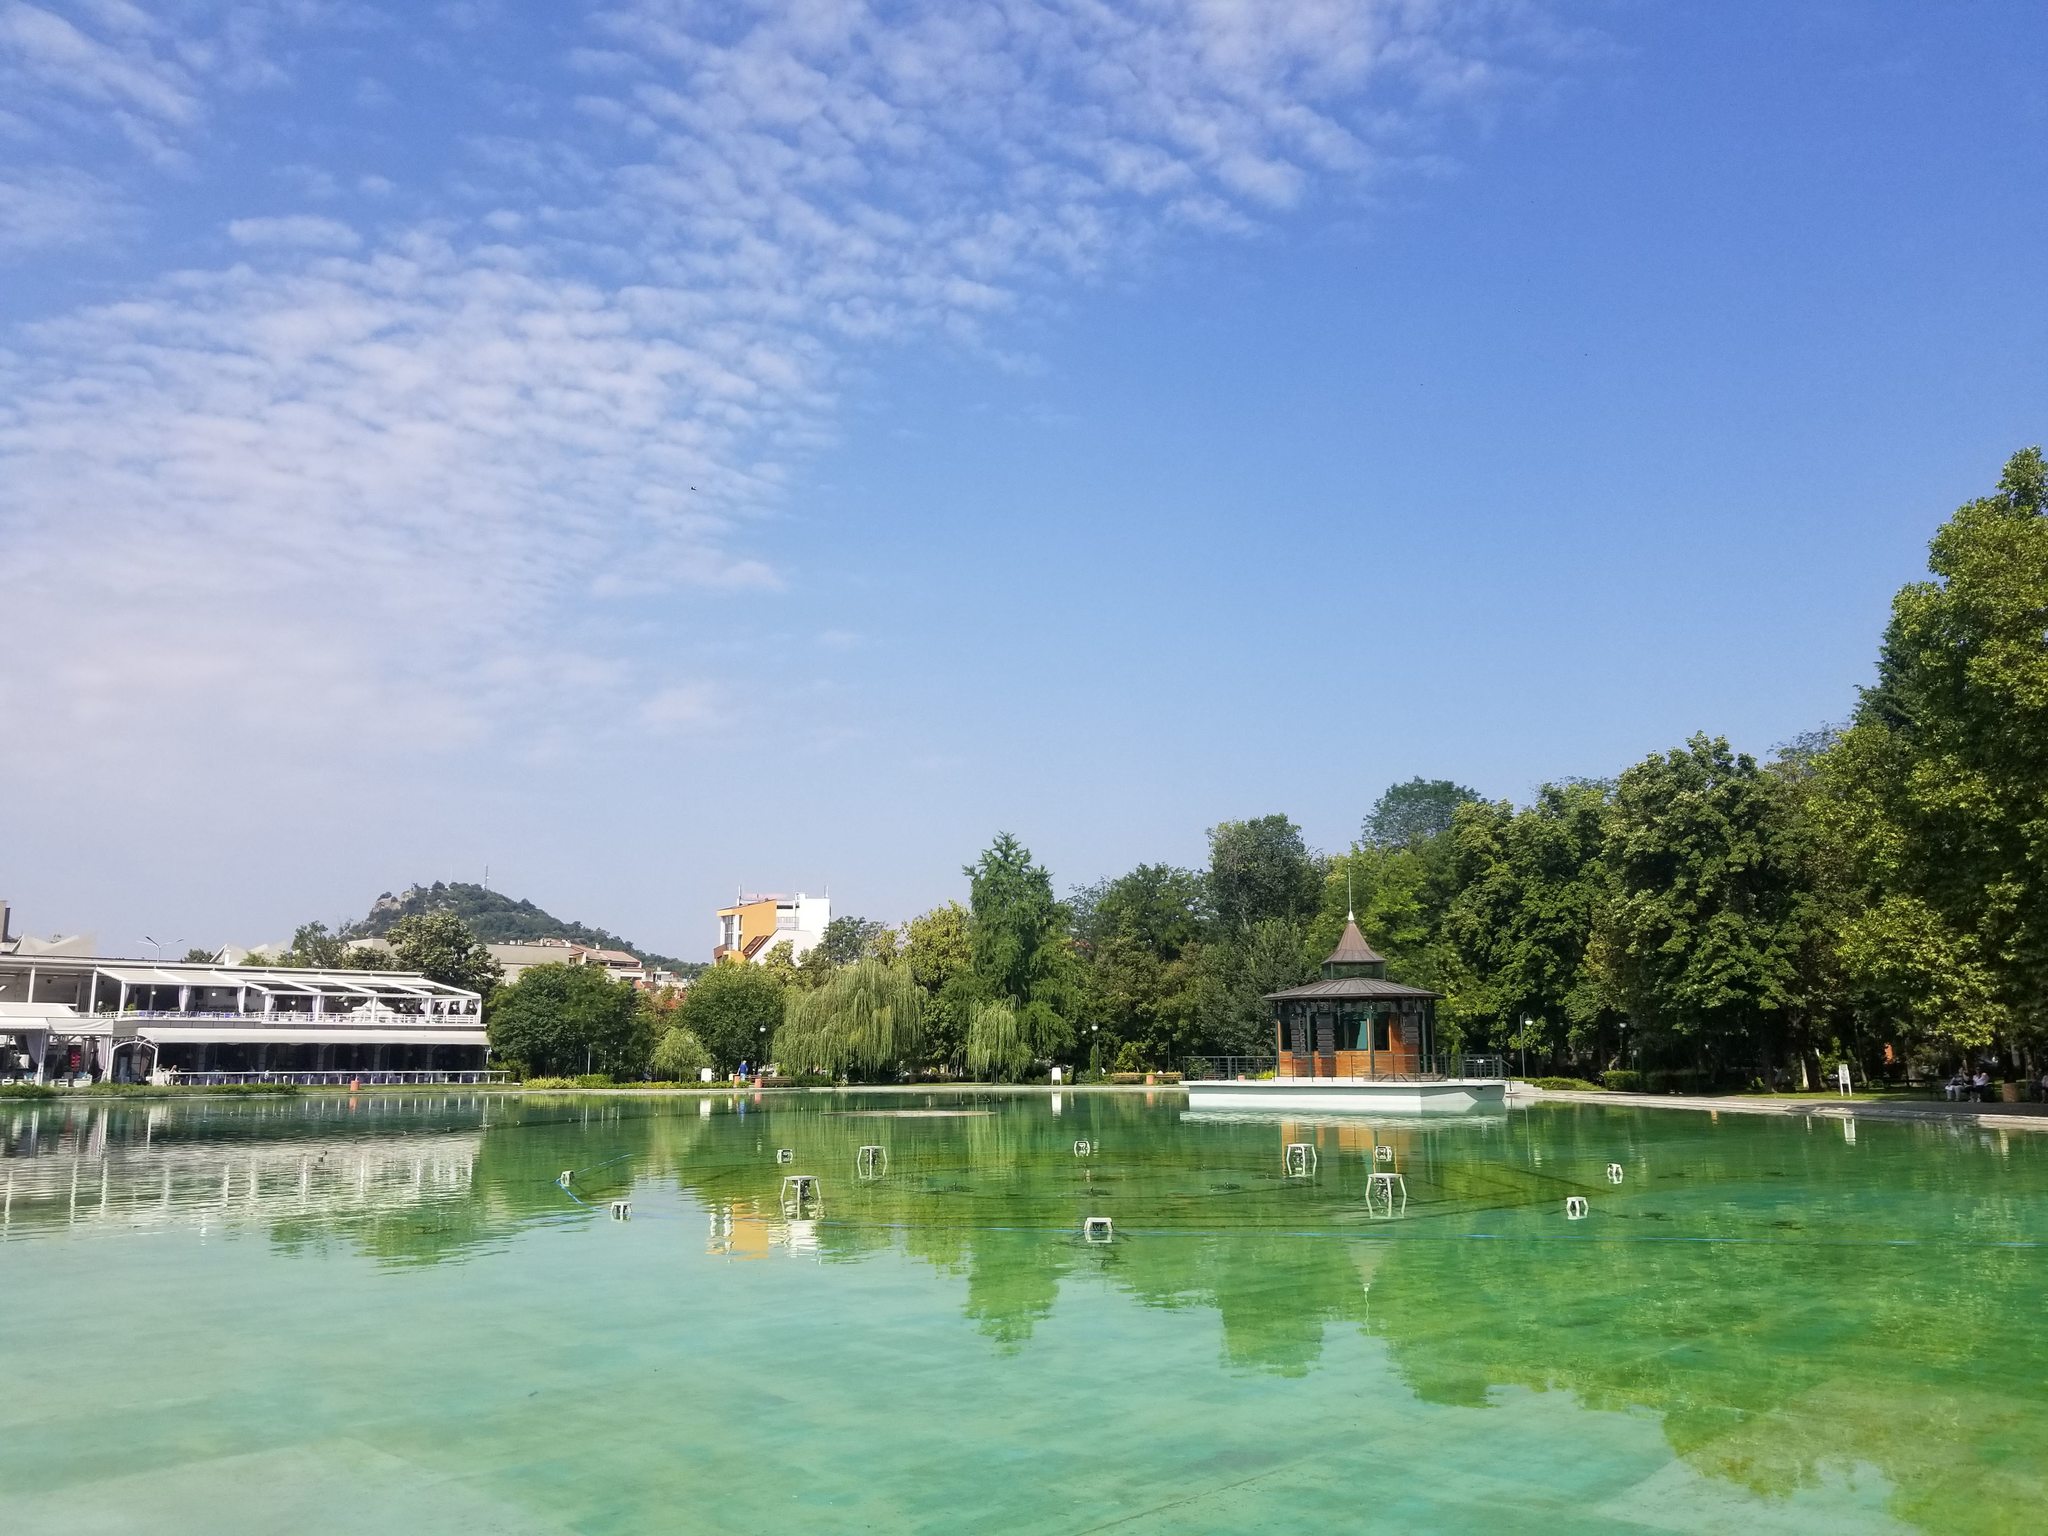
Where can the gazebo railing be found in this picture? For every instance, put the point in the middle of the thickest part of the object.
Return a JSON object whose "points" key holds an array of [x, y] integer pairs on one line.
{"points": [[1226, 1069]]}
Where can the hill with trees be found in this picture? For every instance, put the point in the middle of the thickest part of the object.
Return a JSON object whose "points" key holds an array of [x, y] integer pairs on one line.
{"points": [[495, 918]]}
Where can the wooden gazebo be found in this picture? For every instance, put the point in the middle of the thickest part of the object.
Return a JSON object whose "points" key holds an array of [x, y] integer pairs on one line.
{"points": [[1354, 1022]]}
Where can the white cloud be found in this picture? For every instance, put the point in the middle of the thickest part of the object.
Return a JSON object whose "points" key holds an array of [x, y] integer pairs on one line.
{"points": [[302, 230], [400, 480], [56, 207], [81, 74], [120, 69], [668, 710]]}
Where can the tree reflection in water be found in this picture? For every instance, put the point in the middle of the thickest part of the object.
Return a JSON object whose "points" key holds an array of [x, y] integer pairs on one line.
{"points": [[1787, 1302]]}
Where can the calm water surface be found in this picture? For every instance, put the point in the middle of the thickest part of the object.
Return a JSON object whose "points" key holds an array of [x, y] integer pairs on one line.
{"points": [[380, 1316]]}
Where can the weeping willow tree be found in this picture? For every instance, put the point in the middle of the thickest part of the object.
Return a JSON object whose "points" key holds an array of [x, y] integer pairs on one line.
{"points": [[868, 1018], [997, 1048]]}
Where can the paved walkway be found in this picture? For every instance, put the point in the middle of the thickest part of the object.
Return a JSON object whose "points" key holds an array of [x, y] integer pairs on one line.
{"points": [[2023, 1117]]}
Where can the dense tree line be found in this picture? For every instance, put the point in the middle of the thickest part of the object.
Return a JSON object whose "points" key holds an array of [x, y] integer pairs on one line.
{"points": [[1876, 893]]}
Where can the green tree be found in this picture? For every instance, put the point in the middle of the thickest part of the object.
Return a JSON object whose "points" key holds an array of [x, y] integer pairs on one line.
{"points": [[1142, 936], [735, 1009], [1414, 812], [441, 948], [1708, 913], [564, 1019], [815, 969], [867, 1021], [679, 1056], [780, 963], [198, 956], [1939, 787], [1529, 891], [998, 1046], [847, 939], [1262, 869], [1235, 976], [1398, 896], [940, 956], [1018, 936], [1014, 918], [312, 948]]}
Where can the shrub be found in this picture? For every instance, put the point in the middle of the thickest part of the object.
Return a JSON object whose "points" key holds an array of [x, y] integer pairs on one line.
{"points": [[243, 1090], [1674, 1080], [679, 1056], [1575, 1084], [1621, 1080], [27, 1091], [592, 1080], [549, 1082]]}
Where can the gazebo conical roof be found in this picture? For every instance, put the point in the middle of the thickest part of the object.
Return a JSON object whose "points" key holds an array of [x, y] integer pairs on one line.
{"points": [[1352, 949]]}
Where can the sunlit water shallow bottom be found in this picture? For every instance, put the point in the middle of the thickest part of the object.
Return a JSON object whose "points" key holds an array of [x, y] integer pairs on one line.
{"points": [[387, 1316]]}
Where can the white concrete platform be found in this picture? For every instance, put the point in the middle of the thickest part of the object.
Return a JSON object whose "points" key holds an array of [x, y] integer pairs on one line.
{"points": [[1450, 1095]]}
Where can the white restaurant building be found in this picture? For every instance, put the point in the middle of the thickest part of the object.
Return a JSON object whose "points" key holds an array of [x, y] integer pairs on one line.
{"points": [[62, 1014]]}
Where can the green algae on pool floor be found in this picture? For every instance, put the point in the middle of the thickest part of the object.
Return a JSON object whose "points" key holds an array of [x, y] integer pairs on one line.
{"points": [[388, 1315]]}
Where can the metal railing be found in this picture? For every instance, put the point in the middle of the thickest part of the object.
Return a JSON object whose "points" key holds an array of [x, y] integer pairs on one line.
{"points": [[1210, 1069], [335, 1079], [339, 1018], [1226, 1069]]}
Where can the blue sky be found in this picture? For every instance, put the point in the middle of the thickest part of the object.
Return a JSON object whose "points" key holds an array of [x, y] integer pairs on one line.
{"points": [[646, 447]]}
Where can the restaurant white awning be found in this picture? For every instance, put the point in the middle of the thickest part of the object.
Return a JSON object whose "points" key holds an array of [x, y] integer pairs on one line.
{"points": [[143, 976], [198, 1033]]}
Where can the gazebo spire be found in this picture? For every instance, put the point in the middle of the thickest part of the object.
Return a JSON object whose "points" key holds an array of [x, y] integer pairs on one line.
{"points": [[1352, 949]]}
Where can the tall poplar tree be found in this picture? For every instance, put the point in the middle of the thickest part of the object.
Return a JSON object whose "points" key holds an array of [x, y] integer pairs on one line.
{"points": [[1017, 933]]}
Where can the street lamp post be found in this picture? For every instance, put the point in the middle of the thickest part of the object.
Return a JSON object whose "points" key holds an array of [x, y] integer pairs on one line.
{"points": [[1095, 1048], [760, 1051], [1527, 1020]]}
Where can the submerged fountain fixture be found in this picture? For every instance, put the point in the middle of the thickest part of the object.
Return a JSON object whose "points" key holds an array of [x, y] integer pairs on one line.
{"points": [[1575, 1207], [1382, 1190], [785, 1155], [871, 1162], [1301, 1160], [622, 1210], [1084, 1149], [1097, 1229], [1614, 1173], [1383, 1154], [798, 1191], [565, 1176]]}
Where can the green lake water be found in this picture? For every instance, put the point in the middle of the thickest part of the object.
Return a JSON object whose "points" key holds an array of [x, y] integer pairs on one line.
{"points": [[387, 1316]]}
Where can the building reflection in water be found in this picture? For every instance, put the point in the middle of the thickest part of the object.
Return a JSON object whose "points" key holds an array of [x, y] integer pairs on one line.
{"points": [[112, 1166]]}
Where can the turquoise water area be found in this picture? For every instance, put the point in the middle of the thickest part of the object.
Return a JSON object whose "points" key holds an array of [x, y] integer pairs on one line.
{"points": [[372, 1315]]}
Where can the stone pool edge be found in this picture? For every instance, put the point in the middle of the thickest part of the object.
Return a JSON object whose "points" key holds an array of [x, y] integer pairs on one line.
{"points": [[2002, 1116]]}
